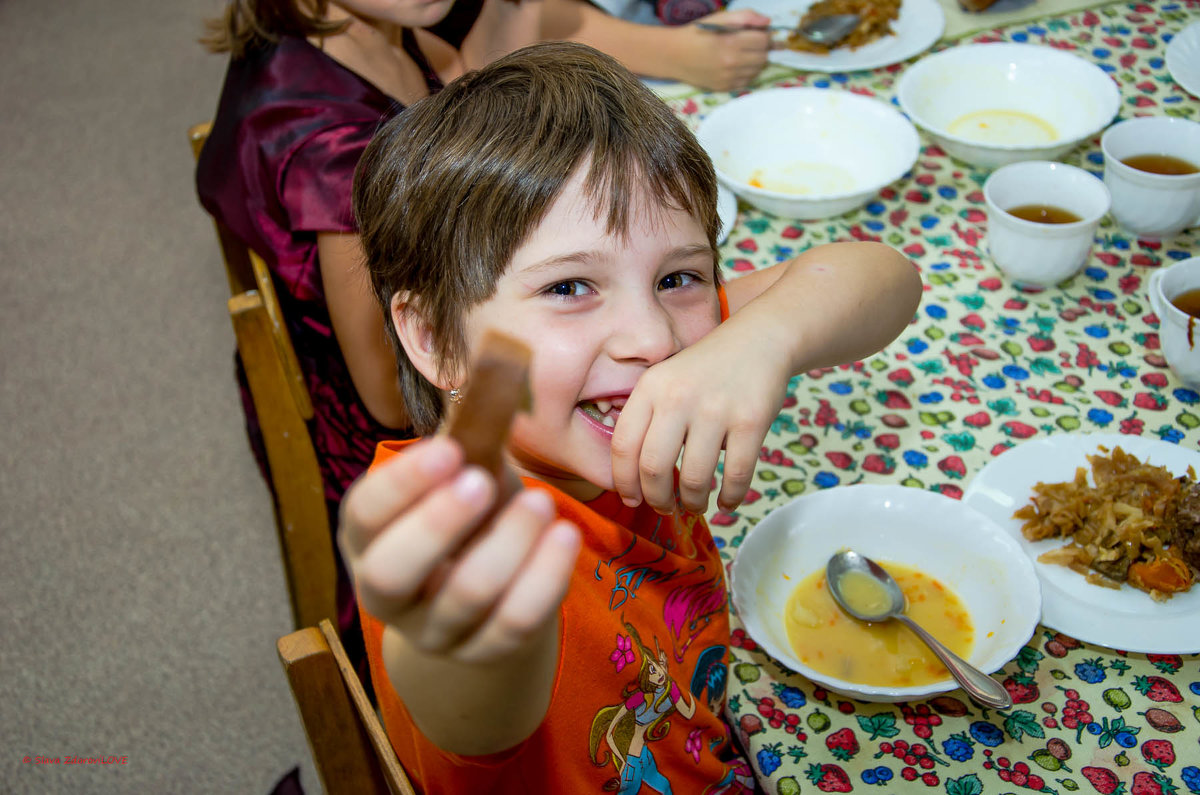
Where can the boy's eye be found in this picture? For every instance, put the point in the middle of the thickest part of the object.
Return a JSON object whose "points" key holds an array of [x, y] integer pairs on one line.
{"points": [[568, 289], [676, 280]]}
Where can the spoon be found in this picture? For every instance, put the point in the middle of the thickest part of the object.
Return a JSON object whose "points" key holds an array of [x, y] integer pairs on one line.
{"points": [[827, 31], [883, 599]]}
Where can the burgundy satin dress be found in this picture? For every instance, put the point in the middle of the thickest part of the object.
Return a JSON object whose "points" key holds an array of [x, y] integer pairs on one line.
{"points": [[277, 169]]}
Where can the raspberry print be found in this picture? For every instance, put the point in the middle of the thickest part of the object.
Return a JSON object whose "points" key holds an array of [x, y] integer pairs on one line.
{"points": [[1191, 778], [959, 748], [986, 733], [1091, 671], [769, 758], [792, 697]]}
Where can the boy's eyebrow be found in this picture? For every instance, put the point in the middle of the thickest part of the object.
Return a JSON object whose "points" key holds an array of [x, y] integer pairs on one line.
{"points": [[559, 260], [591, 258]]}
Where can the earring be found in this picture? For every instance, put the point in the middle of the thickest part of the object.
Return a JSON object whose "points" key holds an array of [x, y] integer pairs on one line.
{"points": [[456, 395]]}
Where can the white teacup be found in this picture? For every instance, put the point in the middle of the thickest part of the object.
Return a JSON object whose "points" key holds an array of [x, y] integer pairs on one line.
{"points": [[1035, 254], [1153, 206], [1178, 332]]}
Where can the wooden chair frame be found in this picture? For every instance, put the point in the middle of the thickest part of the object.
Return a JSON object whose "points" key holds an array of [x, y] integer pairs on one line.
{"points": [[284, 407], [349, 745]]}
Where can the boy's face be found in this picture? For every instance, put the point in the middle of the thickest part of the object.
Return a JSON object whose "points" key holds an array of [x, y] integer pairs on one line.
{"points": [[597, 310]]}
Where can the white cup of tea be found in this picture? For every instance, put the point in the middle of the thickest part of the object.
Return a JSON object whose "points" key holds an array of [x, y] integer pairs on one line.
{"points": [[1152, 169], [1042, 220], [1175, 295]]}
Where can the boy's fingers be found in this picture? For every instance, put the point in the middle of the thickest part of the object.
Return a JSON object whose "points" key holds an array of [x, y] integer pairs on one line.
{"points": [[485, 571], [741, 457], [627, 440], [392, 570], [379, 496], [534, 596], [701, 452], [656, 465]]}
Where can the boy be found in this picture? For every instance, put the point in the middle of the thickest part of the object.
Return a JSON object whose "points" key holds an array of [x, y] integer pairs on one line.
{"points": [[551, 196]]}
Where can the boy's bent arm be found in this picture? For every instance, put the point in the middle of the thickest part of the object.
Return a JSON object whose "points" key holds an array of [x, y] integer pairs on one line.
{"points": [[830, 305]]}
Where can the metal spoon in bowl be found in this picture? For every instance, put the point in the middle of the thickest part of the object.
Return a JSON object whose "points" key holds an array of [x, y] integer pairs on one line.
{"points": [[880, 598], [827, 31]]}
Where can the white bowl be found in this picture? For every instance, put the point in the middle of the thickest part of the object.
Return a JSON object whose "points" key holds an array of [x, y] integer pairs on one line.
{"points": [[998, 103], [942, 537], [816, 152]]}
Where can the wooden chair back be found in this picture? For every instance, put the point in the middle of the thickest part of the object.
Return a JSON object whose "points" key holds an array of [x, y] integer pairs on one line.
{"points": [[284, 407], [349, 746]]}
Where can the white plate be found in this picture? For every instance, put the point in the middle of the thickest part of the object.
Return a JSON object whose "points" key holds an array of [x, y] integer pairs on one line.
{"points": [[726, 211], [920, 24], [940, 536], [1125, 619], [1183, 58]]}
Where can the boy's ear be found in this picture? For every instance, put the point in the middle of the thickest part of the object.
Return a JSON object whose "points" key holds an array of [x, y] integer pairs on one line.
{"points": [[416, 338]]}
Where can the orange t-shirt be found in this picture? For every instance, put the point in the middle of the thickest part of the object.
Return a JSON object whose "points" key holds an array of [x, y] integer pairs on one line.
{"points": [[647, 598]]}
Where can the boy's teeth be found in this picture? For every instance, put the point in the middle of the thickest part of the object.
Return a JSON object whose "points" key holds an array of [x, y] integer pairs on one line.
{"points": [[604, 406], [608, 421]]}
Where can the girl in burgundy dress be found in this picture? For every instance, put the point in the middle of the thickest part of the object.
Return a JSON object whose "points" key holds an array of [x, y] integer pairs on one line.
{"points": [[309, 82]]}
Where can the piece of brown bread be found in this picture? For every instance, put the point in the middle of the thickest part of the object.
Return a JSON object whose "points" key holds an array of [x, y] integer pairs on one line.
{"points": [[497, 387]]}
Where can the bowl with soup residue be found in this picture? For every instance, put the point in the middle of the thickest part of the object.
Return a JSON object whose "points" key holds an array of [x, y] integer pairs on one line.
{"points": [[996, 103], [808, 153], [966, 580]]}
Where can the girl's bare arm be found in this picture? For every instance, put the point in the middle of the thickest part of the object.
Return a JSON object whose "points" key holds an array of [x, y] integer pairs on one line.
{"points": [[358, 324]]}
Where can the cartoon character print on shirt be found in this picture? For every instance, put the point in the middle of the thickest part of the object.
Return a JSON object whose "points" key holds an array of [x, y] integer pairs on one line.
{"points": [[689, 609], [708, 684], [622, 733]]}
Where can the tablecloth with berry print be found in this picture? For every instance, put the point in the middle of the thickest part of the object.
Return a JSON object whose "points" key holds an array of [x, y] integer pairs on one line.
{"points": [[982, 368]]}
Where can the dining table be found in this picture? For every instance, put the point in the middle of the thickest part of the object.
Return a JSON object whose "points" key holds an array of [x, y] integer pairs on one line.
{"points": [[983, 367]]}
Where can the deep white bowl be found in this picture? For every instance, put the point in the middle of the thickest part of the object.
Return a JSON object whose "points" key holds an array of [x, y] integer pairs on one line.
{"points": [[997, 103], [815, 153], [942, 537]]}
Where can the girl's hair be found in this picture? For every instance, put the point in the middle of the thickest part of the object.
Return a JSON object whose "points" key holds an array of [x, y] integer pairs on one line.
{"points": [[450, 188], [249, 22]]}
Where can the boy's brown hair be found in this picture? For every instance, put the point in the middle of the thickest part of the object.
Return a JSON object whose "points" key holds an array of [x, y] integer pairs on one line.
{"points": [[450, 188]]}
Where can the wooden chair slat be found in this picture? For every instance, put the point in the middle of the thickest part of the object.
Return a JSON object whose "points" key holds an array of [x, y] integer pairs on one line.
{"points": [[283, 406], [349, 746], [304, 533]]}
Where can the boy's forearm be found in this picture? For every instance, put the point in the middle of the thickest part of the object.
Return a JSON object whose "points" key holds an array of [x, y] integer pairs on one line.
{"points": [[475, 709], [832, 304], [647, 50]]}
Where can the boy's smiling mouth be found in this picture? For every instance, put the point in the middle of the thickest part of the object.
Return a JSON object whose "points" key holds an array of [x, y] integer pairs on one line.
{"points": [[604, 411]]}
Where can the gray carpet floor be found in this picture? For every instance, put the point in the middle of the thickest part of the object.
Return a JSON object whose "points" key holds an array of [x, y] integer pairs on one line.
{"points": [[140, 586]]}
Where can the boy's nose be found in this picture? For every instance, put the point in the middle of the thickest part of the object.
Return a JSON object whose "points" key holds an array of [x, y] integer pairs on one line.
{"points": [[643, 333]]}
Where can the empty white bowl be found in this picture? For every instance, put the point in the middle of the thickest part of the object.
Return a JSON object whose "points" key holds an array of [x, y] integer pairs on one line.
{"points": [[808, 153], [997, 103], [947, 540]]}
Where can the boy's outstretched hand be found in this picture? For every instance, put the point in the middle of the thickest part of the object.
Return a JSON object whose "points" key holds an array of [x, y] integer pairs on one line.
{"points": [[411, 538]]}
